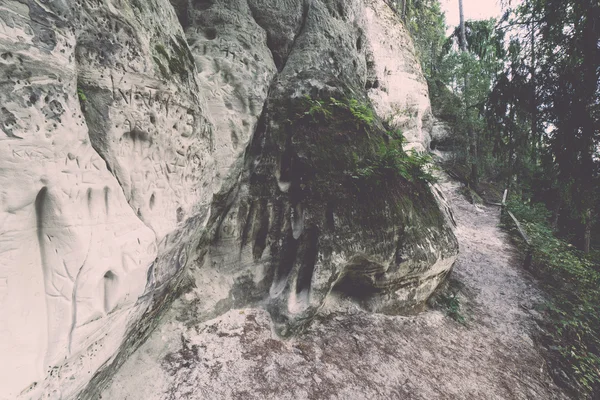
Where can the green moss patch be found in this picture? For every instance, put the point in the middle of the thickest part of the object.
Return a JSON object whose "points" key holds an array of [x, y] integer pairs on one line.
{"points": [[179, 63]]}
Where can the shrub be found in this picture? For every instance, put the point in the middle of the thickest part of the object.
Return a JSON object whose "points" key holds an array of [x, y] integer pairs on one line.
{"points": [[572, 321], [390, 161], [534, 213], [452, 305], [349, 109]]}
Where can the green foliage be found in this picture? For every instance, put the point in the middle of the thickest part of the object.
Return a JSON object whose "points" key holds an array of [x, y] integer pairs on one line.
{"points": [[397, 135], [536, 213], [483, 40], [573, 315], [391, 162], [426, 23], [447, 299], [348, 109], [471, 74], [543, 112], [81, 95], [161, 68], [380, 160], [557, 161], [179, 64], [523, 100], [451, 303], [362, 112], [462, 85], [445, 104], [317, 109]]}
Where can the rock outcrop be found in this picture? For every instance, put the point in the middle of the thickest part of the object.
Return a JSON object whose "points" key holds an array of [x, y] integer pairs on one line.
{"points": [[442, 138], [156, 162]]}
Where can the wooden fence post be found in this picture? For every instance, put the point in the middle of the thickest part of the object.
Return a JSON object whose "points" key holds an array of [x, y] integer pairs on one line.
{"points": [[528, 244]]}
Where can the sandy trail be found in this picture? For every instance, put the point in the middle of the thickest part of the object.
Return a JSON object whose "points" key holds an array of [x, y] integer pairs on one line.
{"points": [[357, 355]]}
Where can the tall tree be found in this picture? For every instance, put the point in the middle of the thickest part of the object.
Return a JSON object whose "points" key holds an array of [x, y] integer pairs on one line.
{"points": [[472, 146], [558, 43], [571, 46], [463, 34], [534, 106], [426, 23]]}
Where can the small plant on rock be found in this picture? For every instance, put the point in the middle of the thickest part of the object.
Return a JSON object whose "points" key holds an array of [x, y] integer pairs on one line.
{"points": [[390, 162], [452, 305], [349, 110], [317, 109], [81, 95]]}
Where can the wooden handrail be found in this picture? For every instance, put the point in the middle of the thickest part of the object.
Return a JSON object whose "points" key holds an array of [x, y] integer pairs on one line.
{"points": [[522, 233], [520, 229]]}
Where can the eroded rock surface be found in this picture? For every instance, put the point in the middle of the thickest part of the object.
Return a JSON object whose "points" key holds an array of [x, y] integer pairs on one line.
{"points": [[396, 85], [153, 167], [348, 353]]}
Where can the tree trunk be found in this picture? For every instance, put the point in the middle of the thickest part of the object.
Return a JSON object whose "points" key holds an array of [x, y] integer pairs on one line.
{"points": [[591, 53], [587, 233], [472, 147], [463, 35], [534, 112], [473, 151], [556, 213]]}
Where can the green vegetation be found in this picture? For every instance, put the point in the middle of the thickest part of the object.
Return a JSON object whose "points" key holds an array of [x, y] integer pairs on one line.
{"points": [[81, 95], [447, 300], [160, 49], [522, 96], [324, 110], [572, 317], [390, 161], [161, 67], [425, 21], [386, 162], [336, 155], [452, 305], [179, 64]]}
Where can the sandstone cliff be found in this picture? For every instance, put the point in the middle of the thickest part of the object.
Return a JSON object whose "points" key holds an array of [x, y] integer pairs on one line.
{"points": [[152, 160]]}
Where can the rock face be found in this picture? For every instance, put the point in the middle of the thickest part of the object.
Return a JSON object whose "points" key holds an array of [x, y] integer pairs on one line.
{"points": [[441, 134], [395, 84], [156, 163]]}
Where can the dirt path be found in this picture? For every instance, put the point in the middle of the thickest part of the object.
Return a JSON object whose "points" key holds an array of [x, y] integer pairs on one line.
{"points": [[356, 355]]}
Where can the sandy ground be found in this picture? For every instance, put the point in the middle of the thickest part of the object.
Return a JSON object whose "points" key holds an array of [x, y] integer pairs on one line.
{"points": [[351, 354]]}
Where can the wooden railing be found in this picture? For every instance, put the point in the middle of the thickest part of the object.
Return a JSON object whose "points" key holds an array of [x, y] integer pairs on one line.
{"points": [[507, 216]]}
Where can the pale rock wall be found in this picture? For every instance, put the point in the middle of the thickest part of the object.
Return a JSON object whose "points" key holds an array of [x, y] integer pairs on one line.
{"points": [[279, 239], [441, 131], [396, 84], [275, 236], [87, 196], [144, 111], [105, 195]]}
